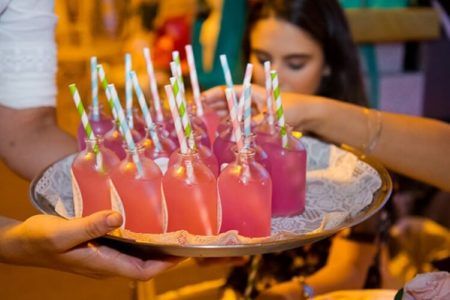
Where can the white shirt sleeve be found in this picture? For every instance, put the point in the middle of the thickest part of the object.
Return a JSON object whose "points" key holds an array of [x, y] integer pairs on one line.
{"points": [[27, 53]]}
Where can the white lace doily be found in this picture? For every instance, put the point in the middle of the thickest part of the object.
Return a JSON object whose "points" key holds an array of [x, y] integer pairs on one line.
{"points": [[339, 186]]}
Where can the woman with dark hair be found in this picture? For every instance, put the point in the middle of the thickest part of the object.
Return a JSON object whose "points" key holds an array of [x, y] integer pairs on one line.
{"points": [[309, 43]]}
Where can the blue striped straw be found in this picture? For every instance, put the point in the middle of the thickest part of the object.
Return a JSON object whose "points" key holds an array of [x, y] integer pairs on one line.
{"points": [[153, 85], [147, 116], [228, 78], [247, 80], [126, 130], [247, 111], [128, 90], [94, 89]]}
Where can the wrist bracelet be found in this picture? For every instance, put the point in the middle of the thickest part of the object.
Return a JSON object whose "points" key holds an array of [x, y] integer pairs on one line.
{"points": [[307, 290], [374, 128]]}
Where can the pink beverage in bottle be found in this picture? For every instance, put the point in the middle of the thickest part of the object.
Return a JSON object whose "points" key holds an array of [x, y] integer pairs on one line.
{"points": [[168, 146], [265, 132], [245, 190], [139, 123], [205, 154], [212, 121], [100, 125], [94, 182], [288, 170], [223, 149], [190, 189], [199, 126], [141, 196], [113, 140]]}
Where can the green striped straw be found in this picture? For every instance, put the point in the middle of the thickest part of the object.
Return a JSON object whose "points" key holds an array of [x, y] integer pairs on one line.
{"points": [[279, 108], [126, 130], [128, 90], [104, 83], [176, 119], [94, 89], [86, 125], [179, 72], [147, 116], [182, 110]]}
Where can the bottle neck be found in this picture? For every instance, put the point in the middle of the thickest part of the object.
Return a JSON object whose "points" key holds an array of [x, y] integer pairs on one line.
{"points": [[245, 156]]}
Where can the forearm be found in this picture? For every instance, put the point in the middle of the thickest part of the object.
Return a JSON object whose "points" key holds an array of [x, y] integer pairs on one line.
{"points": [[31, 140], [413, 146]]}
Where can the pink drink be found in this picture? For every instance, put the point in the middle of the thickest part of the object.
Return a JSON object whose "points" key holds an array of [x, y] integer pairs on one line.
{"points": [[100, 126], [139, 123], [113, 140], [190, 189], [265, 132], [168, 146], [200, 127], [212, 121], [93, 183], [223, 149], [141, 197], [245, 190], [206, 155], [288, 175]]}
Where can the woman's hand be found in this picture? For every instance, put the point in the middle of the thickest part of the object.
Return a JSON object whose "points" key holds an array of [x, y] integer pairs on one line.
{"points": [[301, 111], [52, 242]]}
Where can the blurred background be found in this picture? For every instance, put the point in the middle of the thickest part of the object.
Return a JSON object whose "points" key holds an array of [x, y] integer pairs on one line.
{"points": [[404, 52]]}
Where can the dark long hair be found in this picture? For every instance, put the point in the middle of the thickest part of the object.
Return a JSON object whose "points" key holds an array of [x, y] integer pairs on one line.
{"points": [[325, 21]]}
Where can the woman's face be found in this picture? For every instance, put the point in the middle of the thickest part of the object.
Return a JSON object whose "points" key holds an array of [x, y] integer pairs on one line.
{"points": [[296, 56]]}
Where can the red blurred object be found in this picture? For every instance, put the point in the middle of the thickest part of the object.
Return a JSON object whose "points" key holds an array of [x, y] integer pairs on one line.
{"points": [[174, 34]]}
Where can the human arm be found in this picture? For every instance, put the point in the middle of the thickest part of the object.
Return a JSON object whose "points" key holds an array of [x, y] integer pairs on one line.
{"points": [[31, 140], [414, 146], [51, 242]]}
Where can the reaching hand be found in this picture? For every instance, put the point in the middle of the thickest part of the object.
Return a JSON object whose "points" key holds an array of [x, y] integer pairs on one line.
{"points": [[52, 242], [215, 98]]}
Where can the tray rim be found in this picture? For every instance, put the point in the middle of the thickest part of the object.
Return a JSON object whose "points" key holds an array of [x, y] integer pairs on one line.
{"points": [[381, 196]]}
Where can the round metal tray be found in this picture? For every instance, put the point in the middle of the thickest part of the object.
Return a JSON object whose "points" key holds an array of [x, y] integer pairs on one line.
{"points": [[151, 250]]}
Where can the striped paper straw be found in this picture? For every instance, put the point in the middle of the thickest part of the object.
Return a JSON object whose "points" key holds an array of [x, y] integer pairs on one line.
{"points": [[126, 130], [194, 80], [228, 78], [269, 99], [86, 125], [176, 119], [182, 110], [147, 116], [104, 83], [247, 80], [247, 111], [128, 90], [279, 108], [235, 123], [153, 85], [177, 60], [94, 89]]}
